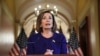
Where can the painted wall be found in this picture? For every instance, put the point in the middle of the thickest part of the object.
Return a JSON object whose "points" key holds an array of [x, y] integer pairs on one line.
{"points": [[95, 38]]}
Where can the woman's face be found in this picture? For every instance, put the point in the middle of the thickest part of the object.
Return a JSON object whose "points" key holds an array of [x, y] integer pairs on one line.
{"points": [[47, 21]]}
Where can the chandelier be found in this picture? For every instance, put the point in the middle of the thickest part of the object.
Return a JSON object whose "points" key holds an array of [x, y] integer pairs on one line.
{"points": [[52, 9]]}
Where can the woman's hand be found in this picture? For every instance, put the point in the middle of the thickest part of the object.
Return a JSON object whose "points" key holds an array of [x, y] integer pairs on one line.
{"points": [[48, 52]]}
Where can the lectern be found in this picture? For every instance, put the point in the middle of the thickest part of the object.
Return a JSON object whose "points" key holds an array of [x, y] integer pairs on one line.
{"points": [[54, 55]]}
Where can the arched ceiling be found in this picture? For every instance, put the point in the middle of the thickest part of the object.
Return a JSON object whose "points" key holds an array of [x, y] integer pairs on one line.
{"points": [[69, 8], [26, 7]]}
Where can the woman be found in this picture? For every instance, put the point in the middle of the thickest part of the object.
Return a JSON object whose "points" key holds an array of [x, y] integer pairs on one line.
{"points": [[46, 41]]}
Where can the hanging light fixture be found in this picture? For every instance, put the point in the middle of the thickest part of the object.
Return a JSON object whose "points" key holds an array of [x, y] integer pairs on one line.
{"points": [[53, 9]]}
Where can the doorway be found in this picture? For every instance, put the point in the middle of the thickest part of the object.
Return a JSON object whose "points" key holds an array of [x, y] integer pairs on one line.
{"points": [[85, 37]]}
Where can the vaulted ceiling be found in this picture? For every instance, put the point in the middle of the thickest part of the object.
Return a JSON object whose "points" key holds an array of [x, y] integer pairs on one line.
{"points": [[69, 8]]}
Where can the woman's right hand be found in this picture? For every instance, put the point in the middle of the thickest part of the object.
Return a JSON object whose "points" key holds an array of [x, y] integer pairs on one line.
{"points": [[48, 52]]}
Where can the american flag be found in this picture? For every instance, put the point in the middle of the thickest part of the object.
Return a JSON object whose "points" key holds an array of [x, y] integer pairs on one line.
{"points": [[19, 46], [73, 44]]}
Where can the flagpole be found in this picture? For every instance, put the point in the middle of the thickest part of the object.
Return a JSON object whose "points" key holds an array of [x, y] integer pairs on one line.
{"points": [[20, 52]]}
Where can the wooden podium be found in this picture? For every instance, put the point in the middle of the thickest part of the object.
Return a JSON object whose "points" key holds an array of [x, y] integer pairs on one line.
{"points": [[54, 55]]}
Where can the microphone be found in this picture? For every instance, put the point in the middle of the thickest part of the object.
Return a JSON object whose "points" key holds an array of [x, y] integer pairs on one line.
{"points": [[34, 41], [54, 41], [30, 42]]}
